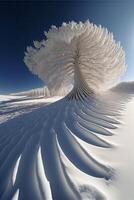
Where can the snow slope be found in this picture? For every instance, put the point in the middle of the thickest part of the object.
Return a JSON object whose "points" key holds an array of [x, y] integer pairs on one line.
{"points": [[12, 106], [77, 147], [70, 149]]}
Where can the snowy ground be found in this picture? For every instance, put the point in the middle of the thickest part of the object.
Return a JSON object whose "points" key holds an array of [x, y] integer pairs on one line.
{"points": [[12, 106], [31, 153]]}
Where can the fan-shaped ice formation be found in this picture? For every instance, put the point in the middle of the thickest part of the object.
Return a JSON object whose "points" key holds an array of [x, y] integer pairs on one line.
{"points": [[75, 48], [61, 151]]}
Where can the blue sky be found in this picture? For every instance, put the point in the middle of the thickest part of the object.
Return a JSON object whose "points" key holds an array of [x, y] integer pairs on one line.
{"points": [[22, 22]]}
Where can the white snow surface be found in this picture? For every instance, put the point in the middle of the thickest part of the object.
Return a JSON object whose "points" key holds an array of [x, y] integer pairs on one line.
{"points": [[55, 148], [78, 144]]}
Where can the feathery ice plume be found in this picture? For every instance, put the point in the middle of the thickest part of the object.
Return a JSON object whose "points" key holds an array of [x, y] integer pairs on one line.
{"points": [[77, 52]]}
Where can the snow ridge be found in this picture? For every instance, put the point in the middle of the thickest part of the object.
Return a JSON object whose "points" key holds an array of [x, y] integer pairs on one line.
{"points": [[48, 152]]}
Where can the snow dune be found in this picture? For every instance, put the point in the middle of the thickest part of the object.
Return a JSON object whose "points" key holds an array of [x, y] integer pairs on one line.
{"points": [[78, 144], [67, 149]]}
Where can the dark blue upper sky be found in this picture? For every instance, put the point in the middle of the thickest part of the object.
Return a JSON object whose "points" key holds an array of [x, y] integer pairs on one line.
{"points": [[22, 22]]}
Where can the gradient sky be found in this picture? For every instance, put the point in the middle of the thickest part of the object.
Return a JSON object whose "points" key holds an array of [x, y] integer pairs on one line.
{"points": [[22, 22]]}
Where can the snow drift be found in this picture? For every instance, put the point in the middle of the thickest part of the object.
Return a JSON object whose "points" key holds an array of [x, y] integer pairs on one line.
{"points": [[66, 150]]}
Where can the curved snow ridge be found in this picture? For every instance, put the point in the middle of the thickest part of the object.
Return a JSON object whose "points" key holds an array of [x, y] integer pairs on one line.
{"points": [[33, 152], [39, 92]]}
